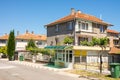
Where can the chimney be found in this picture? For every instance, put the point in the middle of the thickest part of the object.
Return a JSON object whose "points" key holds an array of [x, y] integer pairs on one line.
{"points": [[17, 33], [5, 33], [72, 11], [26, 31], [78, 11], [32, 32]]}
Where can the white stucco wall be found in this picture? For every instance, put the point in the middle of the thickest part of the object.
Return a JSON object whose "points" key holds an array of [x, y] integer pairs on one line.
{"points": [[93, 57], [21, 45], [2, 44]]}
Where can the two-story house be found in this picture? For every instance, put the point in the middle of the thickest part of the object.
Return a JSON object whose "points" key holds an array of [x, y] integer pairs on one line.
{"points": [[22, 40], [81, 27], [78, 25], [114, 43], [3, 40]]}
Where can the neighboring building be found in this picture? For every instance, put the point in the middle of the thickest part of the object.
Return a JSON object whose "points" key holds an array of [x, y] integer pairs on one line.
{"points": [[22, 40], [78, 25], [3, 40], [113, 37], [114, 55]]}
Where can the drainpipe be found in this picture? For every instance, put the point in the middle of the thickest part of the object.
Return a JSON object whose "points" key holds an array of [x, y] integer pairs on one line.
{"points": [[74, 32]]}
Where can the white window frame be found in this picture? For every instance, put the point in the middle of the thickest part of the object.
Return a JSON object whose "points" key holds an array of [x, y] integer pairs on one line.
{"points": [[101, 27], [86, 26]]}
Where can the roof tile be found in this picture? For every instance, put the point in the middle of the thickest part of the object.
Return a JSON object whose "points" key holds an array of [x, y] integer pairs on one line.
{"points": [[28, 36], [80, 16], [4, 37], [112, 31]]}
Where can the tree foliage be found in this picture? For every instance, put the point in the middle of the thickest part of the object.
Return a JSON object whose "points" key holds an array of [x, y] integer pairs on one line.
{"points": [[3, 50], [11, 45], [68, 40], [102, 42], [31, 44]]}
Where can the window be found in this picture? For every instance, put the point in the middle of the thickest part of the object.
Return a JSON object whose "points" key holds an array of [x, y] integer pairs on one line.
{"points": [[115, 42], [70, 26], [2, 41], [79, 25], [21, 40], [83, 59], [56, 40], [39, 43], [83, 25], [57, 28], [83, 39], [51, 43], [101, 29]]}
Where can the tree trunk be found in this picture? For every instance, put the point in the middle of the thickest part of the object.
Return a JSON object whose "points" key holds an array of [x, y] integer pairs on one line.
{"points": [[101, 63], [11, 58]]}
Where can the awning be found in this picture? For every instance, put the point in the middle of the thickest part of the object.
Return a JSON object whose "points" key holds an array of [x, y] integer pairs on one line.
{"points": [[59, 47]]}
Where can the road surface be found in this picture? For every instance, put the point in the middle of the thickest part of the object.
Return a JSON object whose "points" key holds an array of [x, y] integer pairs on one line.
{"points": [[21, 72]]}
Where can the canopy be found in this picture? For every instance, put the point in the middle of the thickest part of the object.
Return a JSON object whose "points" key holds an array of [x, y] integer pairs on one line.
{"points": [[59, 47]]}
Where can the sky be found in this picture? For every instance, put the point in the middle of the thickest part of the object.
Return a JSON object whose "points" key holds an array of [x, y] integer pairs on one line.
{"points": [[32, 15]]}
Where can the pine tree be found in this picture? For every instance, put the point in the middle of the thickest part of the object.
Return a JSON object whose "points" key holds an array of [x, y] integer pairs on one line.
{"points": [[11, 46]]}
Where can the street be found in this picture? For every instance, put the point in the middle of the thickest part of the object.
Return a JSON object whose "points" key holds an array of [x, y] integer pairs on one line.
{"points": [[21, 72]]}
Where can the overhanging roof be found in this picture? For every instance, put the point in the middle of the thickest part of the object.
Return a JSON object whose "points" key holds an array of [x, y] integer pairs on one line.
{"points": [[59, 47], [114, 50]]}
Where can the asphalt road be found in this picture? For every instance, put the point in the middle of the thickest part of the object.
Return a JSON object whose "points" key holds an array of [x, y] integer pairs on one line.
{"points": [[21, 72]]}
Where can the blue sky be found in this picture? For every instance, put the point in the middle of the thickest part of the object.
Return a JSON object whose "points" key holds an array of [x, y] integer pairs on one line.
{"points": [[32, 15]]}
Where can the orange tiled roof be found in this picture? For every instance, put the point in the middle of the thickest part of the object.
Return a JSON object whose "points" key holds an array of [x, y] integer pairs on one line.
{"points": [[4, 37], [28, 36], [112, 31], [114, 50], [79, 16]]}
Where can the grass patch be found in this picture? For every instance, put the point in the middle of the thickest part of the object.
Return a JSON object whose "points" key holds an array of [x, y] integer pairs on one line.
{"points": [[92, 75]]}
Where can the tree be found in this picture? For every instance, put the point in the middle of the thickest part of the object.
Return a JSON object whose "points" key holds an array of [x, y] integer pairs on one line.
{"points": [[68, 40], [11, 46], [102, 43], [3, 50], [32, 47], [31, 44]]}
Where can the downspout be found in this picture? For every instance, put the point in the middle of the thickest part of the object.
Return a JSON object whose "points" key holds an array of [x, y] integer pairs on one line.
{"points": [[74, 32]]}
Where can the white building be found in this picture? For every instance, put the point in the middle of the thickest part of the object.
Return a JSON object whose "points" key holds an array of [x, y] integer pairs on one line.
{"points": [[22, 40], [3, 40]]}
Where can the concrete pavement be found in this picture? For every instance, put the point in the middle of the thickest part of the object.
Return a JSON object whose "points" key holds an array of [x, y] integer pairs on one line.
{"points": [[16, 70]]}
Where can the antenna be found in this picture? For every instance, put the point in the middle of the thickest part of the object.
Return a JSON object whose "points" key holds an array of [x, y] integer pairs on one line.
{"points": [[101, 16]]}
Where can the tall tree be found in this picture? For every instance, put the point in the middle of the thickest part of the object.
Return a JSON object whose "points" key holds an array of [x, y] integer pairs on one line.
{"points": [[11, 46]]}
